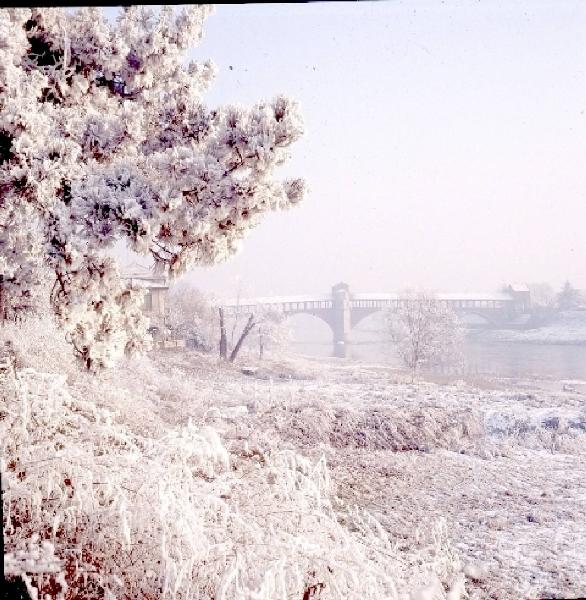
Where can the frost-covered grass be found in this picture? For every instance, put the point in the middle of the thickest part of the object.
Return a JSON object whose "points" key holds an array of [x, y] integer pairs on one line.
{"points": [[176, 476], [183, 507], [503, 468]]}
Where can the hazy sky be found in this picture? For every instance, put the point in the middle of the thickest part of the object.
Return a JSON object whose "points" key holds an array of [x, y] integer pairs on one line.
{"points": [[445, 142]]}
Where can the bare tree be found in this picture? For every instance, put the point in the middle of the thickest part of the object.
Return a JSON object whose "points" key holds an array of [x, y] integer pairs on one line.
{"points": [[191, 313], [223, 339], [542, 295], [250, 325], [426, 331], [543, 304], [233, 324], [272, 331], [267, 322]]}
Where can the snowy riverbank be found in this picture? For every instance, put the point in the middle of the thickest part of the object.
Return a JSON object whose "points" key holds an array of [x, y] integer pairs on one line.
{"points": [[501, 471], [472, 489], [565, 328]]}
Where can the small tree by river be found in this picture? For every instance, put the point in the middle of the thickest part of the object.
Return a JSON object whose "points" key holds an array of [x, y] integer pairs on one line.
{"points": [[425, 331]]}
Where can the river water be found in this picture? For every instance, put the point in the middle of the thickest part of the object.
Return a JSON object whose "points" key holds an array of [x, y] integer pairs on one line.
{"points": [[531, 361], [491, 359]]}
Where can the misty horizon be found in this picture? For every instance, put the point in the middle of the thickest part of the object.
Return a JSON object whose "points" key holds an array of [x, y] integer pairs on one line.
{"points": [[444, 144]]}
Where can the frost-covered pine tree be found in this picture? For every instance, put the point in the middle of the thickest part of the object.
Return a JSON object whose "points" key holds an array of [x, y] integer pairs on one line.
{"points": [[104, 137]]}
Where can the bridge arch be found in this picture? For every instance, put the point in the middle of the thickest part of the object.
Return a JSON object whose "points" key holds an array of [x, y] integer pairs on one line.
{"points": [[360, 314], [483, 318], [311, 330], [323, 316]]}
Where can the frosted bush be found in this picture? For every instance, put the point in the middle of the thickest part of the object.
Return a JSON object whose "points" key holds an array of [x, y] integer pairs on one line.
{"points": [[176, 515], [374, 426], [37, 342]]}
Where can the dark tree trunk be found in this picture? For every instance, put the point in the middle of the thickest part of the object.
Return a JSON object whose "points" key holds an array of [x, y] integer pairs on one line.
{"points": [[2, 309], [223, 340], [15, 589], [249, 327]]}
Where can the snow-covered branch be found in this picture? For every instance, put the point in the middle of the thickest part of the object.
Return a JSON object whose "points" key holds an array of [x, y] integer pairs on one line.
{"points": [[104, 137]]}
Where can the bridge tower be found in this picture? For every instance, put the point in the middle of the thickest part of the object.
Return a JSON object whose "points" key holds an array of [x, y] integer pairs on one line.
{"points": [[341, 319]]}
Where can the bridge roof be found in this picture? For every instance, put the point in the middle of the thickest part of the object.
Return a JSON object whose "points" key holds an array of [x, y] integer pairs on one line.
{"points": [[277, 300], [443, 296], [372, 296], [475, 296]]}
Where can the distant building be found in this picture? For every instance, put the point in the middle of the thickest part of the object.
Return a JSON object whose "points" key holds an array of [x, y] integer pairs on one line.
{"points": [[521, 295], [157, 285]]}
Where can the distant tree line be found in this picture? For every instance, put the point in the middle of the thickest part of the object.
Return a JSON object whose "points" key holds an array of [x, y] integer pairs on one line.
{"points": [[543, 296]]}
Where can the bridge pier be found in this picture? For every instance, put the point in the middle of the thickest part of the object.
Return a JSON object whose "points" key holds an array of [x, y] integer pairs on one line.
{"points": [[342, 324]]}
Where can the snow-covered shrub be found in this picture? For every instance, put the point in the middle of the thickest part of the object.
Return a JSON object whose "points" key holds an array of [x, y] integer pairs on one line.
{"points": [[557, 430], [374, 426], [91, 488], [193, 316], [176, 515], [38, 343]]}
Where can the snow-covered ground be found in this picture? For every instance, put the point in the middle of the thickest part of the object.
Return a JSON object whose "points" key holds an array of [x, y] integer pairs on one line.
{"points": [[504, 469], [566, 328], [480, 488]]}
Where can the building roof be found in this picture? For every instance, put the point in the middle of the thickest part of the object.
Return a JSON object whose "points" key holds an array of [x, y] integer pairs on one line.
{"points": [[142, 276], [475, 296], [519, 287]]}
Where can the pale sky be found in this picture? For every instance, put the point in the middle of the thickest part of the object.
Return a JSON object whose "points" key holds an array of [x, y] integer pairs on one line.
{"points": [[445, 142]]}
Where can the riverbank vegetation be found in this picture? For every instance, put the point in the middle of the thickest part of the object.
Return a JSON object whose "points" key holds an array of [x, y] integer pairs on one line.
{"points": [[178, 476]]}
